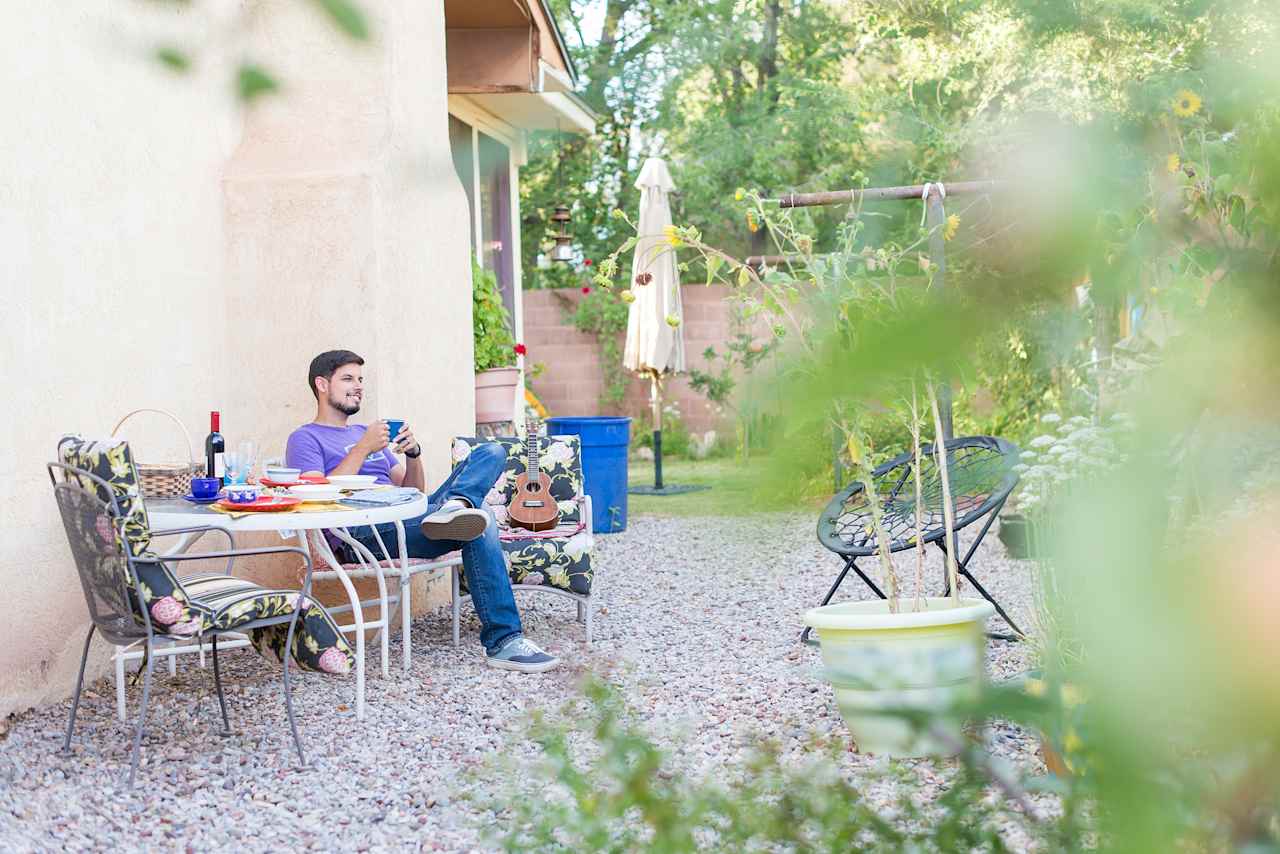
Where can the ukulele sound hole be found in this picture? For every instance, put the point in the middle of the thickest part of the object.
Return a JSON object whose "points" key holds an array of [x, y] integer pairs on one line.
{"points": [[533, 487]]}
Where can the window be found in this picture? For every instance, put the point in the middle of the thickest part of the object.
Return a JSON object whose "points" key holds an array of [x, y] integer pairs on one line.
{"points": [[484, 168]]}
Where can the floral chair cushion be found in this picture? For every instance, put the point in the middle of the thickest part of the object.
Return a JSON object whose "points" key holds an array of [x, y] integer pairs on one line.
{"points": [[562, 560], [203, 603], [559, 458]]}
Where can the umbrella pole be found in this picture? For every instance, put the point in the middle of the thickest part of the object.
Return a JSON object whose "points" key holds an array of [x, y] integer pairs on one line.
{"points": [[655, 400]]}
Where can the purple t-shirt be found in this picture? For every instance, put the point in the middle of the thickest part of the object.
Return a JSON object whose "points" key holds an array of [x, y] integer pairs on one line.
{"points": [[319, 447]]}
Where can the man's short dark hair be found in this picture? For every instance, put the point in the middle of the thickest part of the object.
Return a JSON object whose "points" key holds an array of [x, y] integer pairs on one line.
{"points": [[326, 364]]}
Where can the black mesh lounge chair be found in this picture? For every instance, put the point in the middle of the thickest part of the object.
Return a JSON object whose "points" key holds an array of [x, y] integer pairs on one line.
{"points": [[981, 477]]}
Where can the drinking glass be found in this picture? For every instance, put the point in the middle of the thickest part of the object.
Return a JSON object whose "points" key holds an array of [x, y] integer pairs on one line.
{"points": [[234, 469], [248, 453]]}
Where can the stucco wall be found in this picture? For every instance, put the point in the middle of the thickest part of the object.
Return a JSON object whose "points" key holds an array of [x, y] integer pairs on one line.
{"points": [[164, 248]]}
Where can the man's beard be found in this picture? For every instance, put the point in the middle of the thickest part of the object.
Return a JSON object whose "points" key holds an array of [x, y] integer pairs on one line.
{"points": [[344, 407]]}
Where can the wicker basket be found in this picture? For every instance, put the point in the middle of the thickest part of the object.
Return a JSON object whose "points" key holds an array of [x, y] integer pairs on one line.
{"points": [[166, 480]]}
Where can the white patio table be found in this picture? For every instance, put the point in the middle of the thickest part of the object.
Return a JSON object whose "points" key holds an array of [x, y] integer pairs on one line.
{"points": [[170, 513]]}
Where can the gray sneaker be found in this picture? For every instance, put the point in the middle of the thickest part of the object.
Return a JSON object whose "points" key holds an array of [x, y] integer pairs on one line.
{"points": [[520, 653], [455, 521]]}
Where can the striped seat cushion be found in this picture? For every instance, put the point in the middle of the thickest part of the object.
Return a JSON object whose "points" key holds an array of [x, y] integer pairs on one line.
{"points": [[227, 601]]}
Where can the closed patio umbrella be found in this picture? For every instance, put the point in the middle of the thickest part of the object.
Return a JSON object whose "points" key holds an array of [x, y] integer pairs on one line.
{"points": [[655, 346]]}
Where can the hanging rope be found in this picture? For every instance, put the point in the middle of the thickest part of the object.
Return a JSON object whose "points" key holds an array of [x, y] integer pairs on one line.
{"points": [[924, 196]]}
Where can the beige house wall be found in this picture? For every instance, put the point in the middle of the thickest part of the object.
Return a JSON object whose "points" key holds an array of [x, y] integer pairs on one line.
{"points": [[164, 248]]}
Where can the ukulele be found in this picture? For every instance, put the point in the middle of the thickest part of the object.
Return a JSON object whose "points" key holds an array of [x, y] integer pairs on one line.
{"points": [[532, 506]]}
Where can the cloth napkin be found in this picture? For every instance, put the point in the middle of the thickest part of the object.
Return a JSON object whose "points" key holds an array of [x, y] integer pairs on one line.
{"points": [[382, 497]]}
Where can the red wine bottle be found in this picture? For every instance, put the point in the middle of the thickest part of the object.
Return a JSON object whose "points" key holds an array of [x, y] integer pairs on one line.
{"points": [[214, 447]]}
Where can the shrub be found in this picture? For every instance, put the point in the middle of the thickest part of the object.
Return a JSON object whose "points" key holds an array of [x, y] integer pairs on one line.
{"points": [[493, 343]]}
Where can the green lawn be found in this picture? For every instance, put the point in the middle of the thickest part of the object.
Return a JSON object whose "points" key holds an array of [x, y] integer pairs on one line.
{"points": [[735, 488]]}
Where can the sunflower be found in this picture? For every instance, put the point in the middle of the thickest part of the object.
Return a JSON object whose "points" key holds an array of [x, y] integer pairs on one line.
{"points": [[1186, 104], [673, 236], [1173, 163], [953, 225]]}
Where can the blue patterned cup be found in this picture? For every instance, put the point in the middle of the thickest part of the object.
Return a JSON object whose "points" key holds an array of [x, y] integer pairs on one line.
{"points": [[394, 426], [242, 493]]}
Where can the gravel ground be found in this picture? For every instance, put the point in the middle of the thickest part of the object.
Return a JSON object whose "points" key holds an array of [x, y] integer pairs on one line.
{"points": [[698, 623]]}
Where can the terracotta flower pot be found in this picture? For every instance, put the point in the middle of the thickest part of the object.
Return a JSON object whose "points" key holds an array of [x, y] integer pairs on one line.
{"points": [[496, 394]]}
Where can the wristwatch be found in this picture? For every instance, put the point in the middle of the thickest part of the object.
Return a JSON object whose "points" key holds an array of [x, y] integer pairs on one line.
{"points": [[417, 452]]}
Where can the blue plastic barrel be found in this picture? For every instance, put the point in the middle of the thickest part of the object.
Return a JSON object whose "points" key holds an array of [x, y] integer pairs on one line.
{"points": [[604, 466]]}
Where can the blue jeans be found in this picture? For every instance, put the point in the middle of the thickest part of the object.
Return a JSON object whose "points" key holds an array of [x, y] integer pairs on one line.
{"points": [[482, 560]]}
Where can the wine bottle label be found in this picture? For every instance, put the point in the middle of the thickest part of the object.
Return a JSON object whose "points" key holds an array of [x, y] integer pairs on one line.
{"points": [[218, 469]]}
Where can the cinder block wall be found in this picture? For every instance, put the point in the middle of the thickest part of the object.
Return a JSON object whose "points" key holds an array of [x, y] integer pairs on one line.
{"points": [[572, 382]]}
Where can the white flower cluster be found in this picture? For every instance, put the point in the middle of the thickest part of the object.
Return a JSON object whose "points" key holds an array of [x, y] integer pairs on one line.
{"points": [[1073, 451]]}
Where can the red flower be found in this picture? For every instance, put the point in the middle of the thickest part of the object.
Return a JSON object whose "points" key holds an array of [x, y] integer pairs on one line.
{"points": [[586, 263], [521, 349], [586, 290]]}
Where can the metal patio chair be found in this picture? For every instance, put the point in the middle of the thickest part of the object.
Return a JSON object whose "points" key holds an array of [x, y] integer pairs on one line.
{"points": [[981, 475], [102, 533]]}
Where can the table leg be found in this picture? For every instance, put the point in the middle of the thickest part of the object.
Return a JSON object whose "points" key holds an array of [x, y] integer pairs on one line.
{"points": [[406, 581], [357, 613], [369, 561]]}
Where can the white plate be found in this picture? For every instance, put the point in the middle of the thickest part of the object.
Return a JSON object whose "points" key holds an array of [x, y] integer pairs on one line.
{"points": [[353, 481], [357, 487], [315, 492]]}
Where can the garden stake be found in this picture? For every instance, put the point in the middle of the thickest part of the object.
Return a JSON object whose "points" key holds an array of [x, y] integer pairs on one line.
{"points": [[948, 513]]}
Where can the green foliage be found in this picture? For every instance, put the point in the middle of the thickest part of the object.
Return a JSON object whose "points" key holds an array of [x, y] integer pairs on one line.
{"points": [[347, 17], [742, 354], [675, 433], [253, 81], [174, 58], [627, 795], [490, 322], [602, 314]]}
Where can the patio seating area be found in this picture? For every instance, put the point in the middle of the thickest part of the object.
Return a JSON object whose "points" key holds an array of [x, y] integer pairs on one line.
{"points": [[699, 633]]}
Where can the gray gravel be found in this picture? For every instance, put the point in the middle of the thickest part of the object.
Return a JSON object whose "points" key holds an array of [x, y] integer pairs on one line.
{"points": [[698, 622]]}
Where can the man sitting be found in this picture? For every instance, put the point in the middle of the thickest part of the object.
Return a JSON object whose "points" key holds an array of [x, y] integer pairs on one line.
{"points": [[455, 517]]}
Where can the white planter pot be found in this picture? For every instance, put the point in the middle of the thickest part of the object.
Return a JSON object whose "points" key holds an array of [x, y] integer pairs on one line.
{"points": [[925, 660]]}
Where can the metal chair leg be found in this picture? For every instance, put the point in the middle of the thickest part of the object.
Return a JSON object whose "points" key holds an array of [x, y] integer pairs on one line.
{"points": [[288, 693], [999, 610], [963, 570], [75, 700], [142, 715], [406, 620], [121, 711], [849, 564], [217, 682]]}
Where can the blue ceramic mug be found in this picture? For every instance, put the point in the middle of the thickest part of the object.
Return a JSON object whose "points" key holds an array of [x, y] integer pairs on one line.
{"points": [[394, 426], [205, 487]]}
